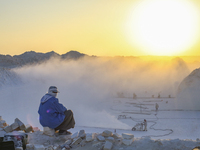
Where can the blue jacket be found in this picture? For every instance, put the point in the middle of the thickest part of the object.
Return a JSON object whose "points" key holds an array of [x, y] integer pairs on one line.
{"points": [[51, 112]]}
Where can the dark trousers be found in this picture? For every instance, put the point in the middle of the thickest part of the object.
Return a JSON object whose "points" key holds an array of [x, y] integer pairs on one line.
{"points": [[68, 122]]}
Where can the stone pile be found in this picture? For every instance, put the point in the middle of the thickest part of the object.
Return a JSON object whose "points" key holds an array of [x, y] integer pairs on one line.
{"points": [[18, 125], [101, 141], [49, 140]]}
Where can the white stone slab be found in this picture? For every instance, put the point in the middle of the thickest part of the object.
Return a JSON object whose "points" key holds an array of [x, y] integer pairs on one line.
{"points": [[107, 133], [127, 135], [127, 142], [108, 146], [89, 137], [39, 147], [101, 138]]}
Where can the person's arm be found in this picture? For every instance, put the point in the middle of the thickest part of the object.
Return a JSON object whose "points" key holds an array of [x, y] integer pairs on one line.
{"points": [[59, 107]]}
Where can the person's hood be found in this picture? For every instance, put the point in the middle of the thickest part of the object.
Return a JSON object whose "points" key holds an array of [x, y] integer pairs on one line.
{"points": [[45, 98]]}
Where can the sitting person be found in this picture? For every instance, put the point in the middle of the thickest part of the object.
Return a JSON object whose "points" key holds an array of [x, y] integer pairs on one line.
{"points": [[54, 115]]}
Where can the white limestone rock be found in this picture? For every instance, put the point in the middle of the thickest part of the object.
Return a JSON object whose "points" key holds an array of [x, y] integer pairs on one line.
{"points": [[108, 145], [28, 128], [68, 142], [14, 126], [117, 136], [101, 138], [7, 129], [83, 142], [21, 124], [29, 147], [75, 135], [35, 129], [127, 135], [56, 147], [39, 147], [48, 131], [110, 139], [3, 123], [127, 142], [90, 137], [98, 145], [76, 141], [82, 134], [107, 133]]}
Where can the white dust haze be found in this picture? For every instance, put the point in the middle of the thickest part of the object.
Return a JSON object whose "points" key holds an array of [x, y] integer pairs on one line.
{"points": [[88, 85]]}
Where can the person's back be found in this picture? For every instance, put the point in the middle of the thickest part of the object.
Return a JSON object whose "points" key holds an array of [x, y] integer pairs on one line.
{"points": [[54, 115], [51, 112]]}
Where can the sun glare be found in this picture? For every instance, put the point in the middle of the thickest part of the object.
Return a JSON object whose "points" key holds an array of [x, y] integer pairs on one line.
{"points": [[163, 27]]}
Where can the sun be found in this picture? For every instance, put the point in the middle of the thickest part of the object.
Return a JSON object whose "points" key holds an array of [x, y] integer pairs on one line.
{"points": [[163, 27]]}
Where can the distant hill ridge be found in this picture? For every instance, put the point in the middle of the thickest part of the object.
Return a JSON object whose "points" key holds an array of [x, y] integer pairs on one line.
{"points": [[31, 57]]}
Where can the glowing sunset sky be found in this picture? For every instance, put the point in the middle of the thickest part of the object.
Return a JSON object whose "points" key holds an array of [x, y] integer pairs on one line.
{"points": [[101, 27]]}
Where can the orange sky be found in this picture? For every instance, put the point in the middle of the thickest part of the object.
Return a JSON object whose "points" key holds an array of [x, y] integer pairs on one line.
{"points": [[92, 27]]}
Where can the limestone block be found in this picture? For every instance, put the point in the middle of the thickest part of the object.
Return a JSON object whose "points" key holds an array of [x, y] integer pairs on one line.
{"points": [[89, 137], [101, 138], [68, 142], [110, 139], [127, 142], [29, 147], [127, 135], [75, 135], [117, 136], [14, 126], [83, 142], [108, 145], [35, 129], [107, 133], [28, 128], [56, 147], [21, 124], [39, 147], [82, 134], [76, 141], [48, 131], [3, 123], [19, 148], [98, 145], [7, 129]]}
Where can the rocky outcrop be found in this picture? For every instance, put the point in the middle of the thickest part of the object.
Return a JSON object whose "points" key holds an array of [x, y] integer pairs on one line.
{"points": [[188, 91]]}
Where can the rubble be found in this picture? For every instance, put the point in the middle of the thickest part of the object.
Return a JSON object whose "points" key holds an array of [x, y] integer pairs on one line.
{"points": [[7, 129], [48, 131], [127, 135], [14, 126], [108, 146], [106, 140], [110, 139], [39, 147], [89, 137], [28, 128], [2, 123], [45, 140], [107, 133], [20, 124], [101, 138], [82, 134], [75, 135]]}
